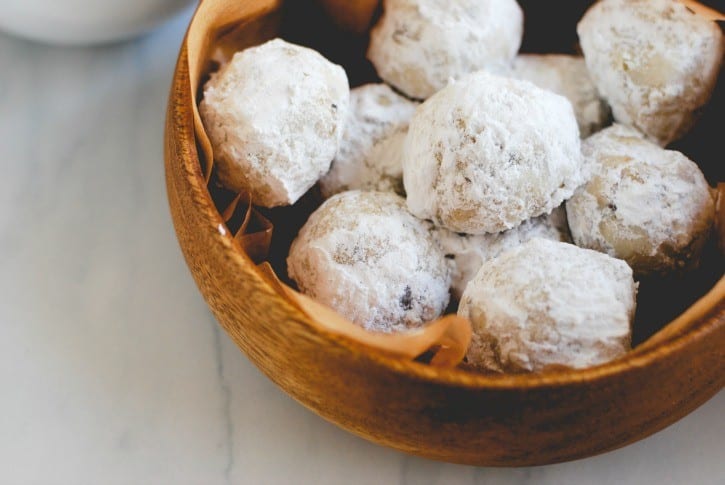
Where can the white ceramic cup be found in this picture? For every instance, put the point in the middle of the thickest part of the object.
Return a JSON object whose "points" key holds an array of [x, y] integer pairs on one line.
{"points": [[84, 21]]}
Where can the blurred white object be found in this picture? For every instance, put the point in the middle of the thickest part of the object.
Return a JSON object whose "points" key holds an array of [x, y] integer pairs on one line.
{"points": [[84, 21]]}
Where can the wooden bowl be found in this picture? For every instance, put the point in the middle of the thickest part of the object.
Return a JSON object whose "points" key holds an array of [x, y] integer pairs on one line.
{"points": [[445, 414]]}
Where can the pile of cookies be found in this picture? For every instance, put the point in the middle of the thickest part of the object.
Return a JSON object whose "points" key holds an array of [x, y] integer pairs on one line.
{"points": [[480, 173]]}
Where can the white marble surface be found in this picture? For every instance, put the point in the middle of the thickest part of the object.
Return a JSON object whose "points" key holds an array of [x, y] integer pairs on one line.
{"points": [[112, 369]]}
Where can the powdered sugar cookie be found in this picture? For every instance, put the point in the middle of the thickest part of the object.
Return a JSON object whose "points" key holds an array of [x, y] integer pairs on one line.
{"points": [[486, 153], [364, 255], [418, 45], [568, 76], [649, 206], [468, 252], [369, 154], [275, 115], [655, 61], [547, 303]]}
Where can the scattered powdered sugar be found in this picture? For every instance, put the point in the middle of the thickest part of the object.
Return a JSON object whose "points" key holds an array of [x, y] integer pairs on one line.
{"points": [[568, 76], [419, 44], [649, 206], [468, 252], [547, 303], [364, 255], [487, 152], [275, 116], [369, 154], [655, 61]]}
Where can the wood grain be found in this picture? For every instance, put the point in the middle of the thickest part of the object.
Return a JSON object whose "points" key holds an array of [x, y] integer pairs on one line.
{"points": [[445, 414]]}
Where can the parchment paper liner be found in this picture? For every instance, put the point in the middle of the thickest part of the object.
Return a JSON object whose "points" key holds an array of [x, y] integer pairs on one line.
{"points": [[353, 15], [220, 28], [705, 11]]}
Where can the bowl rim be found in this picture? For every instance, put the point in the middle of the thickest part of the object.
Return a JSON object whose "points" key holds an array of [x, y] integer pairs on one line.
{"points": [[701, 319]]}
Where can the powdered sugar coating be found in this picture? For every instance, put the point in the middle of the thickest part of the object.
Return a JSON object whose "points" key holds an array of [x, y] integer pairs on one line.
{"points": [[274, 115], [364, 255], [655, 61], [649, 206], [468, 253], [418, 45], [547, 303], [369, 157], [388, 156], [486, 153], [568, 76]]}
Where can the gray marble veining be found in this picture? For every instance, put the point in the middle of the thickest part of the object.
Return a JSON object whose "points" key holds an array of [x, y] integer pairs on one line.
{"points": [[112, 369]]}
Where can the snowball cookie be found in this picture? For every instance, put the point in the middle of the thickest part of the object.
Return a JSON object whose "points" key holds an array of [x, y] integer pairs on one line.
{"points": [[385, 170], [376, 113], [418, 45], [546, 303], [655, 61], [364, 255], [649, 206], [486, 153], [568, 76], [275, 116], [468, 253]]}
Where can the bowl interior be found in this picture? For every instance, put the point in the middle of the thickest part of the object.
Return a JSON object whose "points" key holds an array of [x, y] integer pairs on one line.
{"points": [[660, 300]]}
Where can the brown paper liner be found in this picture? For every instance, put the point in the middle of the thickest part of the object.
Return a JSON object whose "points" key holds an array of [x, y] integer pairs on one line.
{"points": [[352, 15], [255, 231], [704, 10], [219, 29]]}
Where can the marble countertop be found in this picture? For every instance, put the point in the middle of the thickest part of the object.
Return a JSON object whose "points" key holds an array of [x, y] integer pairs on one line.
{"points": [[112, 368]]}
